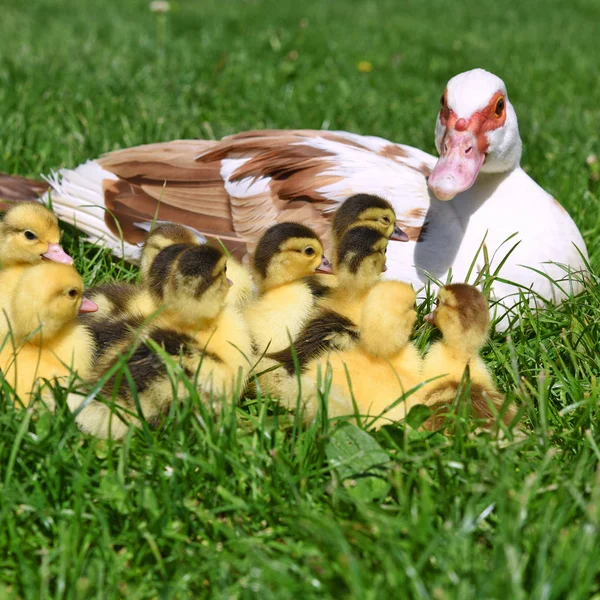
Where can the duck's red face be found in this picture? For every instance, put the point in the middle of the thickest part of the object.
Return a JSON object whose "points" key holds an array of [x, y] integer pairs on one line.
{"points": [[464, 145]]}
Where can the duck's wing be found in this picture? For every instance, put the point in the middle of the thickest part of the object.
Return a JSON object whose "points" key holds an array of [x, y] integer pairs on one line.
{"points": [[14, 188], [236, 188]]}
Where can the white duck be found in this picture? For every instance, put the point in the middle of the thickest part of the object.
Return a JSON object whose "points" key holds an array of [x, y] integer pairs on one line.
{"points": [[237, 187]]}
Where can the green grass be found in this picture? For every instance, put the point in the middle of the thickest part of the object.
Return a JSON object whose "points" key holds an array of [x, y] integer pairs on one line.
{"points": [[250, 506]]}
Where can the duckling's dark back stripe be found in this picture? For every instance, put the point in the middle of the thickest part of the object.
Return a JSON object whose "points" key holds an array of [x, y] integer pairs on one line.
{"points": [[317, 289], [109, 334], [359, 241], [118, 294], [159, 271], [349, 212], [272, 240], [321, 334]]}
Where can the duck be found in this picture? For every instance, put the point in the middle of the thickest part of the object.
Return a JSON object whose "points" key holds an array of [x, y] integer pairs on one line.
{"points": [[383, 359], [462, 316], [474, 194], [196, 328], [46, 341]]}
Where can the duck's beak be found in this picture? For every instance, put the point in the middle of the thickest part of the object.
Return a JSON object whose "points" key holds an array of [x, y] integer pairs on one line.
{"points": [[458, 165], [325, 266], [229, 282], [430, 317], [56, 254], [87, 306], [398, 235]]}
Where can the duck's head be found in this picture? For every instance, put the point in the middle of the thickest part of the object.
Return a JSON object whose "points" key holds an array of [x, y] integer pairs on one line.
{"points": [[191, 282], [476, 130], [163, 235], [388, 318], [48, 297], [462, 315], [29, 233], [360, 257], [366, 210], [287, 252]]}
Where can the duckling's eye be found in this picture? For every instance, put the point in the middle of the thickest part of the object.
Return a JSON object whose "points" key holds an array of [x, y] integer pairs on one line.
{"points": [[443, 100], [309, 251], [30, 235], [386, 220], [499, 107], [72, 293], [225, 269]]}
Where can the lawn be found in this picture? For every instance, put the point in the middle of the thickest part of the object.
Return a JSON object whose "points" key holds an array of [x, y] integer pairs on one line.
{"points": [[251, 506]]}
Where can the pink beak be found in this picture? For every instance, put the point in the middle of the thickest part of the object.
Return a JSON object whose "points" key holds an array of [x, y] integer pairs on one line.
{"points": [[458, 165], [87, 306], [229, 282], [430, 318], [57, 254], [325, 266]]}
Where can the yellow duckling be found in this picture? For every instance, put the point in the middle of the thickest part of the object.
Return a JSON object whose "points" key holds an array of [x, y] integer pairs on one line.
{"points": [[285, 258], [29, 233], [334, 326], [376, 372], [45, 340], [209, 338], [462, 315]]}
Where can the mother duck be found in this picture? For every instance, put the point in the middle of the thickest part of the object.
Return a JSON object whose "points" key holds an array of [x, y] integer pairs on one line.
{"points": [[474, 197]]}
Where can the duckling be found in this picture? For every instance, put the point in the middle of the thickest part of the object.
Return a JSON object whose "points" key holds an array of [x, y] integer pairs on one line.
{"points": [[366, 210], [285, 258], [209, 338], [28, 234], [375, 373], [462, 315], [334, 325], [116, 300], [46, 341]]}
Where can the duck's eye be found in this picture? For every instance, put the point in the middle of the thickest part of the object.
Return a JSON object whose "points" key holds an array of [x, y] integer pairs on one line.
{"points": [[309, 251], [72, 293], [30, 235], [499, 107], [443, 100], [225, 269], [386, 220]]}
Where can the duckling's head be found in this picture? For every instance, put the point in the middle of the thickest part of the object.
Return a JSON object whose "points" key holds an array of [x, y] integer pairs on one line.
{"points": [[191, 282], [287, 252], [29, 233], [388, 318], [462, 315], [361, 257], [366, 210], [48, 297], [163, 235]]}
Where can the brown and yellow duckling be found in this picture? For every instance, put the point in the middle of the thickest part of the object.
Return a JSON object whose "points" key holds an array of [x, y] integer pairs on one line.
{"points": [[462, 316], [46, 341], [207, 337]]}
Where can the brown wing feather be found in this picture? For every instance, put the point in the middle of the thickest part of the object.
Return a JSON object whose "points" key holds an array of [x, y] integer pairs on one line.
{"points": [[14, 188]]}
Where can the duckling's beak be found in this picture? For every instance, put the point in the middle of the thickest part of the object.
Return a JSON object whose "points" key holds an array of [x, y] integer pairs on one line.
{"points": [[325, 266], [56, 254], [87, 306], [430, 317], [229, 282], [398, 235]]}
